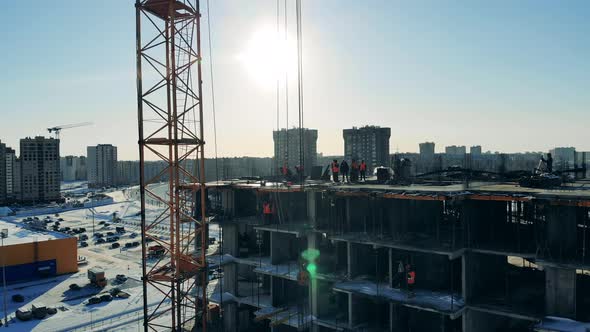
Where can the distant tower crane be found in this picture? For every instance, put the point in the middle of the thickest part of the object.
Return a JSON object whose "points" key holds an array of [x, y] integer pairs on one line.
{"points": [[57, 129]]}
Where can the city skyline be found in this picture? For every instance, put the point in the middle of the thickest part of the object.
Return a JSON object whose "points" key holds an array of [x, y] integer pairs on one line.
{"points": [[510, 77]]}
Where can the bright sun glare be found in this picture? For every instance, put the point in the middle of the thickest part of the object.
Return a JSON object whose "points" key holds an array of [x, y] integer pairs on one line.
{"points": [[268, 57]]}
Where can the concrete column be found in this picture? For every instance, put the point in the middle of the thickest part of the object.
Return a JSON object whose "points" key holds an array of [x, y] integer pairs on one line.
{"points": [[391, 267], [230, 278], [464, 290], [351, 260], [230, 316], [468, 321], [391, 318], [311, 208], [560, 292], [228, 202], [314, 296], [350, 311], [230, 239]]}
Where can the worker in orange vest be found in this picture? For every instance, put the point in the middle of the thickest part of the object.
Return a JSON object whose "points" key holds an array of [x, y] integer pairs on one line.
{"points": [[335, 170], [411, 274], [267, 212], [354, 171], [363, 169]]}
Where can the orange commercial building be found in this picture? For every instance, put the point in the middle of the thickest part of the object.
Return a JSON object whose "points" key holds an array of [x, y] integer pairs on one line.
{"points": [[29, 255]]}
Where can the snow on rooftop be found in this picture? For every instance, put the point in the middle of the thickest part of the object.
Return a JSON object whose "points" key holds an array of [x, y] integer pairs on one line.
{"points": [[559, 324], [18, 233]]}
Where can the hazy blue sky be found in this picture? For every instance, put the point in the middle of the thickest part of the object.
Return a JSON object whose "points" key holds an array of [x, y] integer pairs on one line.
{"points": [[509, 75]]}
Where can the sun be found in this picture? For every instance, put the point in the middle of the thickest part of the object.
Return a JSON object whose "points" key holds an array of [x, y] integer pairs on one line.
{"points": [[268, 57]]}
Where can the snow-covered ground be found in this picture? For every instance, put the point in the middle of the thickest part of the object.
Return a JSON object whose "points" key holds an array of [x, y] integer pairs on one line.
{"points": [[73, 314]]}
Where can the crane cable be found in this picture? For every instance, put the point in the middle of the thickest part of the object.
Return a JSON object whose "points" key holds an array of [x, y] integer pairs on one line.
{"points": [[220, 279], [300, 86]]}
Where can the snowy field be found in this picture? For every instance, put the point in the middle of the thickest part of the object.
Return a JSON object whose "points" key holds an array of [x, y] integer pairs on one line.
{"points": [[73, 313]]}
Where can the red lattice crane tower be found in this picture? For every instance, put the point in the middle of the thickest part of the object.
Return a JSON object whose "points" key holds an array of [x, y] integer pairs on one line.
{"points": [[170, 124]]}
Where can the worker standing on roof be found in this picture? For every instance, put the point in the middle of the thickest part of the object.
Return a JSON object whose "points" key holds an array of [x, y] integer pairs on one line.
{"points": [[344, 170], [398, 279], [354, 173], [363, 169], [267, 212], [335, 170], [411, 275]]}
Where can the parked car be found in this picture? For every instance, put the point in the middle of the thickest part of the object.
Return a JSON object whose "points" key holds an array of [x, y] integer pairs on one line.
{"points": [[128, 245], [75, 287], [106, 298], [39, 310], [100, 240], [133, 235], [136, 244], [83, 244], [115, 245], [112, 239], [82, 229], [94, 300], [110, 233], [98, 235], [24, 314], [121, 278], [83, 237], [60, 219]]}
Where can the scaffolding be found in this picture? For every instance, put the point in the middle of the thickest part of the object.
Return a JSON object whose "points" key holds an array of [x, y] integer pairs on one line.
{"points": [[170, 127]]}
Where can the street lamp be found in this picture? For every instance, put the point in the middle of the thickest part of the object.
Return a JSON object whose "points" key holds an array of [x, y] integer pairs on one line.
{"points": [[3, 235]]}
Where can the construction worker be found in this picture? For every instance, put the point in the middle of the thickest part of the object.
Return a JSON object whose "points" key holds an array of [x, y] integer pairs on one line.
{"points": [[398, 278], [354, 174], [267, 212], [411, 279], [344, 170], [363, 169], [335, 170], [299, 171]]}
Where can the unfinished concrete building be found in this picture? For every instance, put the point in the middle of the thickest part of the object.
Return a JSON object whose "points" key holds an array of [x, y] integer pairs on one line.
{"points": [[494, 257]]}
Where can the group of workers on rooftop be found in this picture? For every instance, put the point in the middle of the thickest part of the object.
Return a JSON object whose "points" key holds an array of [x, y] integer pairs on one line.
{"points": [[356, 170]]}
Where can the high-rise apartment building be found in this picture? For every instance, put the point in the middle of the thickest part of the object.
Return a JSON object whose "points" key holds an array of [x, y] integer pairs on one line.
{"points": [[128, 172], [10, 173], [427, 149], [563, 158], [40, 175], [3, 179], [73, 168], [288, 148], [369, 143], [456, 150], [101, 165], [475, 150]]}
